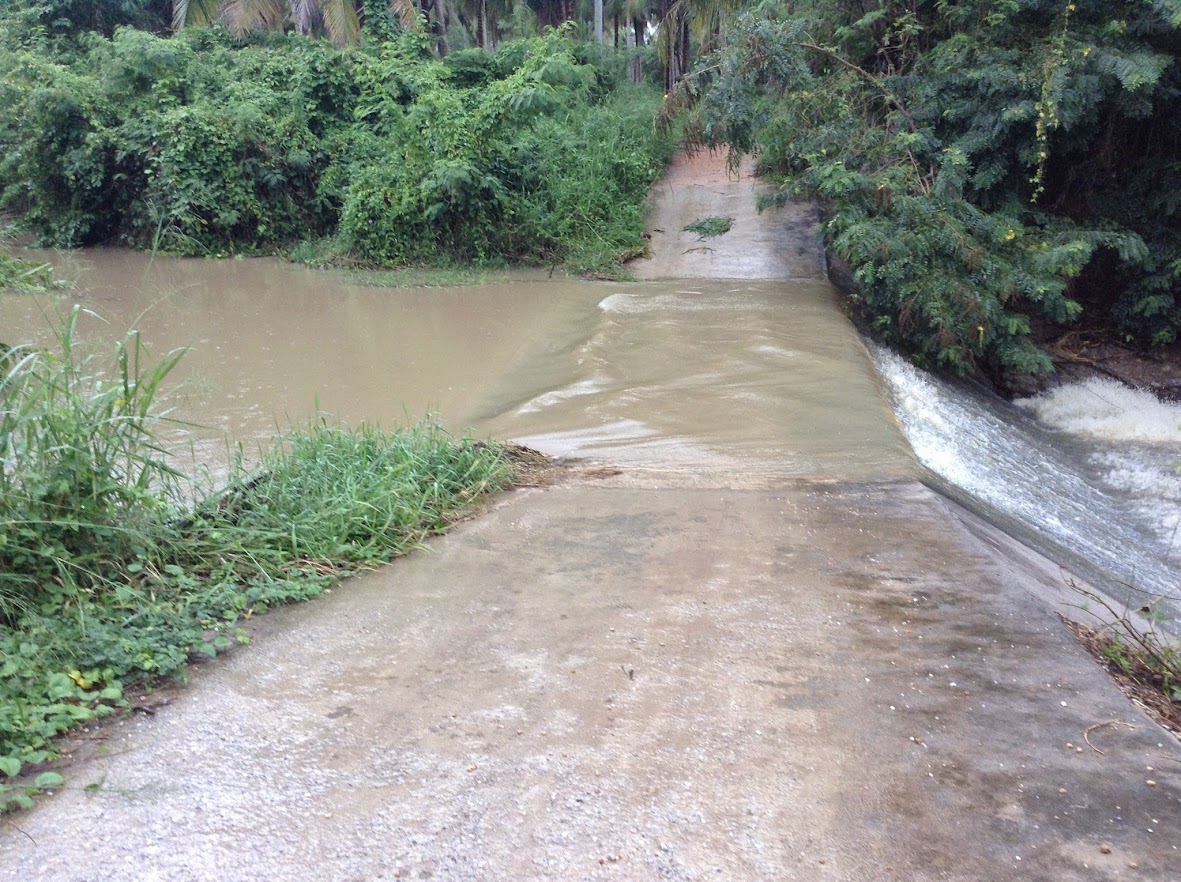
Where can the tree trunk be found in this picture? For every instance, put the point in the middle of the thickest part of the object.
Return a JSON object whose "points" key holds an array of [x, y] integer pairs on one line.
{"points": [[439, 11], [599, 21], [637, 64], [482, 26]]}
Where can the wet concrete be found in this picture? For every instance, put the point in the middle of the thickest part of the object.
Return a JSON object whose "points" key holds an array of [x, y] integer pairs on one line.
{"points": [[779, 243], [727, 662]]}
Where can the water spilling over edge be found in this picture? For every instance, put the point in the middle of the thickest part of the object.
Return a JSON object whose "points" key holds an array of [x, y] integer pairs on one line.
{"points": [[1111, 497]]}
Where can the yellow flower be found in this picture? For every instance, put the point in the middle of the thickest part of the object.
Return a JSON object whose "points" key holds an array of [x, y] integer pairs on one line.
{"points": [[81, 680], [1010, 235]]}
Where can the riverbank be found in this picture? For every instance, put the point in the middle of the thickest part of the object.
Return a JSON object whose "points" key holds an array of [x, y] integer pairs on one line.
{"points": [[1084, 354], [117, 570], [753, 646]]}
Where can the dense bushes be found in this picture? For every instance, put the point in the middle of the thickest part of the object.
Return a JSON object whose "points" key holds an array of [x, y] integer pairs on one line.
{"points": [[986, 164], [198, 144], [542, 164], [192, 145]]}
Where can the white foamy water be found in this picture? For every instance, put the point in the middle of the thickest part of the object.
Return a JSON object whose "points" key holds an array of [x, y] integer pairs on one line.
{"points": [[1107, 410], [1133, 439], [1089, 468]]}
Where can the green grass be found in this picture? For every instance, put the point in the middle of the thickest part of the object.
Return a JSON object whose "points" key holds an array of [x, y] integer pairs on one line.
{"points": [[708, 227], [110, 575], [25, 276]]}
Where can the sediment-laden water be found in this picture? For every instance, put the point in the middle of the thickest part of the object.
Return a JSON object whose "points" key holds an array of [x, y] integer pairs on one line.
{"points": [[739, 377]]}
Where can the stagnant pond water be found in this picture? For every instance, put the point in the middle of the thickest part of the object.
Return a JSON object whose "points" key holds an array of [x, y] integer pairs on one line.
{"points": [[705, 380]]}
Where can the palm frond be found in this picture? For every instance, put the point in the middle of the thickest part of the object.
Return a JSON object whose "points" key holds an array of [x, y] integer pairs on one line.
{"points": [[407, 11], [244, 16], [340, 21], [193, 13]]}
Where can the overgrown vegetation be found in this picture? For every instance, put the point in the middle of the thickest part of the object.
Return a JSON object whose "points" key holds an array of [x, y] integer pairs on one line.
{"points": [[540, 152], [986, 164], [25, 275], [1135, 645], [116, 570]]}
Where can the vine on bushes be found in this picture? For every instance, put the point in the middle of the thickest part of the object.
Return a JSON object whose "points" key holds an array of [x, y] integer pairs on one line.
{"points": [[199, 144]]}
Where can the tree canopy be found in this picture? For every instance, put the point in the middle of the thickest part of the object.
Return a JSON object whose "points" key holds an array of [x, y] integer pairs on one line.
{"points": [[987, 165]]}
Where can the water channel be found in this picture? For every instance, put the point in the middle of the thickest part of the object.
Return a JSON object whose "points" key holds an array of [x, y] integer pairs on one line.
{"points": [[745, 379]]}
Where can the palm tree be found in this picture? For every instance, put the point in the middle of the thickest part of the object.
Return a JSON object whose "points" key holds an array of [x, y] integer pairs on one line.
{"points": [[337, 19], [704, 20]]}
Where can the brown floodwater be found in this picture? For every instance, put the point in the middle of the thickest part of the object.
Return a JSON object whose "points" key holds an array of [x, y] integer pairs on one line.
{"points": [[751, 376]]}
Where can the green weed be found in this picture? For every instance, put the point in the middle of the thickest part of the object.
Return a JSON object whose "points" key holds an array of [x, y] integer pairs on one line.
{"points": [[708, 227], [1134, 641], [26, 276], [110, 575]]}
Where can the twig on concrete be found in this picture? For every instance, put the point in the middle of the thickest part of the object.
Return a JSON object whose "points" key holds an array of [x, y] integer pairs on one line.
{"points": [[1090, 729]]}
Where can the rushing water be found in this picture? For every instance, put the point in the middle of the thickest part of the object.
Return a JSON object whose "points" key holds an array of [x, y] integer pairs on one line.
{"points": [[732, 379], [1086, 471], [741, 377]]}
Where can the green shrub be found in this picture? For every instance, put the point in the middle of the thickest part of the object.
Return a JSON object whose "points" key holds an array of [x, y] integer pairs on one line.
{"points": [[108, 577], [540, 164], [199, 144], [192, 144], [985, 165]]}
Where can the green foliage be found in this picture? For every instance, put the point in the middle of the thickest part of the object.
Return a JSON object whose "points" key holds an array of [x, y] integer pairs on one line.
{"points": [[985, 164], [24, 275], [79, 468], [708, 227], [200, 144], [515, 157], [107, 577], [192, 144], [70, 18]]}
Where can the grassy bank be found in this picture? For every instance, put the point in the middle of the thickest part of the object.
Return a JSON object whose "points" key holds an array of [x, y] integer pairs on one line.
{"points": [[25, 276], [115, 569]]}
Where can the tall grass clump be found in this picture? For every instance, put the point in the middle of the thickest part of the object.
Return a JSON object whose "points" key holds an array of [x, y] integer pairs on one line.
{"points": [[24, 275], [82, 479], [111, 575]]}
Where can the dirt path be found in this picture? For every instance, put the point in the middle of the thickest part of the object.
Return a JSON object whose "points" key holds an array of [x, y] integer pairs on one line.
{"points": [[757, 676]]}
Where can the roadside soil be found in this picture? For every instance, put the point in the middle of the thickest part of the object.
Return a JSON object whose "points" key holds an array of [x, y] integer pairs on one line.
{"points": [[1140, 681]]}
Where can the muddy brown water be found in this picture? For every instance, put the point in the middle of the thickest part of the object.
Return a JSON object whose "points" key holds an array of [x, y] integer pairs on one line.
{"points": [[761, 652], [742, 375]]}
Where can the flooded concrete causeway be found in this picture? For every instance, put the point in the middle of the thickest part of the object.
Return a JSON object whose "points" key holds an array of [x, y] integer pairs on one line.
{"points": [[763, 651]]}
